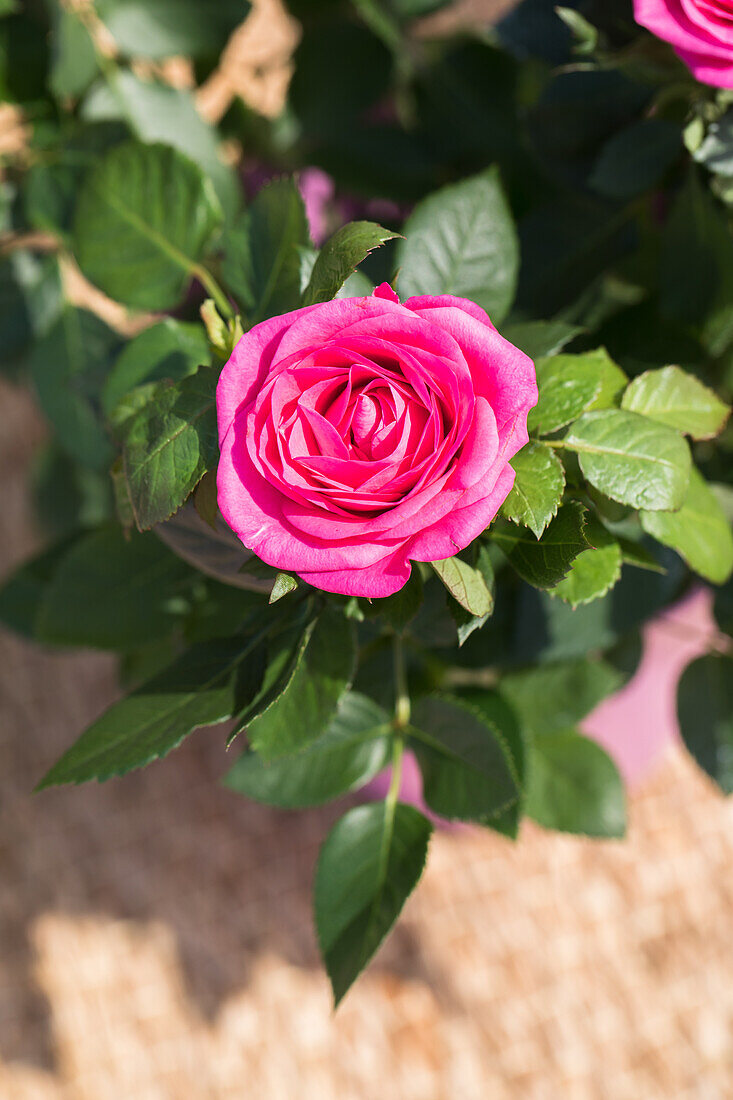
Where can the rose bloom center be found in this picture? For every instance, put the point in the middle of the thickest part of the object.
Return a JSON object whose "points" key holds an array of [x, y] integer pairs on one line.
{"points": [[352, 435]]}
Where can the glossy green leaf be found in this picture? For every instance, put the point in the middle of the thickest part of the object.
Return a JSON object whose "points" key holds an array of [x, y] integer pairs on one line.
{"points": [[157, 112], [340, 256], [466, 621], [111, 592], [632, 459], [369, 864], [166, 28], [353, 749], [168, 350], [678, 399], [705, 713], [144, 219], [613, 381], [466, 766], [208, 684], [284, 584], [552, 697], [538, 488], [595, 571], [285, 650], [262, 261], [169, 446], [68, 367], [545, 562], [540, 338], [305, 708], [699, 531], [575, 787], [466, 585], [461, 240], [568, 385]]}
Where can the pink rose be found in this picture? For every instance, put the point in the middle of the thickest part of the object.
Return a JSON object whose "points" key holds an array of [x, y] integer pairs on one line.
{"points": [[361, 433], [701, 32]]}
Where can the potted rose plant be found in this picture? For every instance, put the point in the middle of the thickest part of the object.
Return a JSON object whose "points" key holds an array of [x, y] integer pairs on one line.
{"points": [[418, 488]]}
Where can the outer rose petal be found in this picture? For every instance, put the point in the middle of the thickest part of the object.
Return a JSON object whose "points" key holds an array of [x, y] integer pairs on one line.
{"points": [[423, 302], [245, 371], [701, 44], [708, 70], [500, 372]]}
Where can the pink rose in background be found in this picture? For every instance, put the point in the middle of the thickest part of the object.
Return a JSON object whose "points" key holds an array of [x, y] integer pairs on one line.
{"points": [[701, 32], [360, 434]]}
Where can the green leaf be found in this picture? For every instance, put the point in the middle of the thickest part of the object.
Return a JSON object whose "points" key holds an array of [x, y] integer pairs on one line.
{"points": [[353, 749], [52, 185], [552, 697], [169, 446], [613, 381], [461, 240], [632, 459], [356, 286], [285, 650], [568, 385], [73, 58], [262, 261], [340, 256], [585, 34], [678, 399], [166, 28], [636, 158], [110, 592], [699, 531], [369, 864], [467, 585], [144, 219], [284, 584], [168, 350], [575, 787], [538, 487], [545, 562], [69, 366], [466, 622], [540, 338], [304, 710], [156, 112], [30, 301], [68, 497], [705, 713], [501, 716], [465, 763], [208, 684], [595, 571], [23, 592]]}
